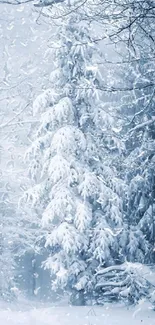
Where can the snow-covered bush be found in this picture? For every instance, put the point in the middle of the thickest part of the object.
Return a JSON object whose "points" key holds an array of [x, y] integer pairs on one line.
{"points": [[127, 282]]}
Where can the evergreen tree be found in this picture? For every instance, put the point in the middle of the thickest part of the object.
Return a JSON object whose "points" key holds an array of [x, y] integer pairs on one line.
{"points": [[139, 166], [76, 192]]}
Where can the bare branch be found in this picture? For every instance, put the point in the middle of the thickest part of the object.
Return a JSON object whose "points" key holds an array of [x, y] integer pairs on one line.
{"points": [[15, 2], [14, 118]]}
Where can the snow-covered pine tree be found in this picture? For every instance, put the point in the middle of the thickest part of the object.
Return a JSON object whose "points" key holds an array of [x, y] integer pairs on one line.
{"points": [[76, 194], [139, 166], [136, 241]]}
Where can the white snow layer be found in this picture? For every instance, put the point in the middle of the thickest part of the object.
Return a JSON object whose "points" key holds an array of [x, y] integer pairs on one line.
{"points": [[106, 315]]}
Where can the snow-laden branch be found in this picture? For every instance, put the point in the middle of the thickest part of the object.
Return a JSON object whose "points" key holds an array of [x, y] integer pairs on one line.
{"points": [[112, 268], [113, 283], [141, 125]]}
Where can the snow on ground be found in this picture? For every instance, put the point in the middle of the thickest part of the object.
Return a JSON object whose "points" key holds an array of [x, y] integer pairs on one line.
{"points": [[106, 315]]}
